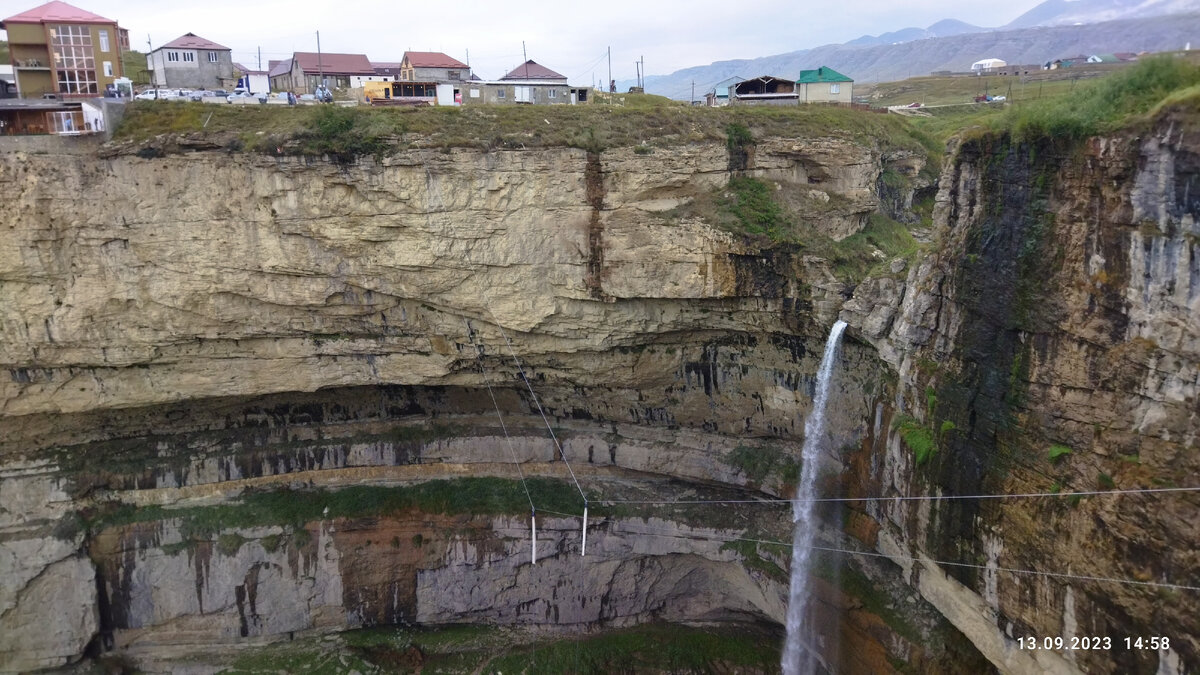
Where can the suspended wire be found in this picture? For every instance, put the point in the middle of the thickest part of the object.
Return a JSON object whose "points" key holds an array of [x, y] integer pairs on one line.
{"points": [[893, 558], [507, 439], [1018, 495], [537, 403], [560, 513], [590, 68]]}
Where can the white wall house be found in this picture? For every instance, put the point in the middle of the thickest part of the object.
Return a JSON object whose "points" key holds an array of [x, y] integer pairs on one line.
{"points": [[357, 80]]}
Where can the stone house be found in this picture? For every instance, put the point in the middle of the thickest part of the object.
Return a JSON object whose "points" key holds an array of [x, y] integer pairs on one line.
{"points": [[279, 74], [432, 67], [824, 85], [191, 62], [530, 83], [341, 71]]}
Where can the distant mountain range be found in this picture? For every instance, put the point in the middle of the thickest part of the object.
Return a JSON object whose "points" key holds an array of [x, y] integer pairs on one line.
{"points": [[1049, 13], [943, 28], [1053, 29]]}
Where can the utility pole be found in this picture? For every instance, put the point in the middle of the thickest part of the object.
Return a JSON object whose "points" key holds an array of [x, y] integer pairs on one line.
{"points": [[525, 56], [642, 60], [693, 99], [259, 58], [320, 61], [610, 80], [149, 56], [637, 70]]}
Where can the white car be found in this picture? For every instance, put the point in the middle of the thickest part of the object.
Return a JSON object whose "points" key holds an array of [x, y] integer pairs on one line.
{"points": [[246, 96], [155, 95]]}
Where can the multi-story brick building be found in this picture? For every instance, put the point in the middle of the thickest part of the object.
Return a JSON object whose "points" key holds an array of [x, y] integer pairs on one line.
{"points": [[61, 50]]}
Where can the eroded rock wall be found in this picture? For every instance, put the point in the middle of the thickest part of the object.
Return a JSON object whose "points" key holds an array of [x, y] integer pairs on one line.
{"points": [[1049, 346], [192, 328]]}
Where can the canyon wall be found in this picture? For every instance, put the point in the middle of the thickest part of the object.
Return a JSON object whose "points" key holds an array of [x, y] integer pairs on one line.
{"points": [[191, 332], [1049, 345], [234, 378]]}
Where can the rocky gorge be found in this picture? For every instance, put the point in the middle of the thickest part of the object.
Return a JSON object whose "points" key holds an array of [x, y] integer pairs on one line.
{"points": [[258, 399]]}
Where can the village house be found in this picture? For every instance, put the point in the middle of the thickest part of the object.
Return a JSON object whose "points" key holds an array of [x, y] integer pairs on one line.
{"points": [[824, 85], [191, 62], [19, 117], [764, 90], [719, 94], [432, 67], [388, 71], [61, 50], [530, 83], [279, 74], [340, 71]]}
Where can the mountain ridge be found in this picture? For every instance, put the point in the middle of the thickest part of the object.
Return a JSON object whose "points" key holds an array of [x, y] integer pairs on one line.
{"points": [[897, 61]]}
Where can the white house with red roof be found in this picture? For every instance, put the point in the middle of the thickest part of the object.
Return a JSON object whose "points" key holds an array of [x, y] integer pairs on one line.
{"points": [[191, 62]]}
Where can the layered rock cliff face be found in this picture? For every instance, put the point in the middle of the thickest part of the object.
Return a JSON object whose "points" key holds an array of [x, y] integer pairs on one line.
{"points": [[1051, 345], [195, 330], [233, 380]]}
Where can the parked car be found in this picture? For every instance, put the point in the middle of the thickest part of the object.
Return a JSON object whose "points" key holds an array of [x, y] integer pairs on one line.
{"points": [[155, 95], [202, 94]]}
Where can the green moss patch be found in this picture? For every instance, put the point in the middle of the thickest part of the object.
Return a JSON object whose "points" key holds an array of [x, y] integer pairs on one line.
{"points": [[759, 463], [654, 648], [476, 496]]}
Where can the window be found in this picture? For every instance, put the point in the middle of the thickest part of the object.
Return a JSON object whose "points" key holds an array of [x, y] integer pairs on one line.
{"points": [[108, 71], [190, 57], [172, 56], [553, 93], [212, 57], [835, 88], [453, 75], [74, 60], [500, 92], [103, 40], [474, 93]]}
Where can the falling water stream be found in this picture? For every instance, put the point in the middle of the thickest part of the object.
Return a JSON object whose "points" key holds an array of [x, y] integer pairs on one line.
{"points": [[798, 658]]}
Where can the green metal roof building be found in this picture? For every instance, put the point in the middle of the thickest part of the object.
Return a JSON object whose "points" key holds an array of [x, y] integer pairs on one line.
{"points": [[824, 85], [822, 74]]}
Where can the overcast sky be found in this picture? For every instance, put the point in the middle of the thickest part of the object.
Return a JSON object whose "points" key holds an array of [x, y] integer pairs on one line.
{"points": [[564, 36]]}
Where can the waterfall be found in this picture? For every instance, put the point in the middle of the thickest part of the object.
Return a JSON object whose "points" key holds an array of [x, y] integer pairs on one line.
{"points": [[798, 659]]}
